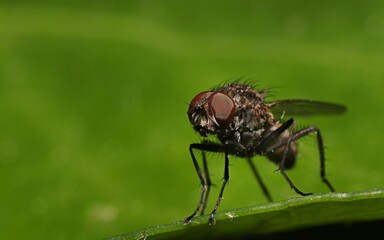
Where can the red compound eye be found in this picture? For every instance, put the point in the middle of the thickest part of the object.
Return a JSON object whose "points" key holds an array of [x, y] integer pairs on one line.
{"points": [[199, 99], [222, 107]]}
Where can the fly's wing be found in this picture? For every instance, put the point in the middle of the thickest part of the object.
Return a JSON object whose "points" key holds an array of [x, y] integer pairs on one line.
{"points": [[301, 107]]}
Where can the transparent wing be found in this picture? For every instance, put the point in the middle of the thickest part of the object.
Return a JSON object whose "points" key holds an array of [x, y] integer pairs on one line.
{"points": [[301, 107]]}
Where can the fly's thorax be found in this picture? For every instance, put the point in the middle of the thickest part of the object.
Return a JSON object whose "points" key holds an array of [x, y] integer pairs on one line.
{"points": [[247, 126]]}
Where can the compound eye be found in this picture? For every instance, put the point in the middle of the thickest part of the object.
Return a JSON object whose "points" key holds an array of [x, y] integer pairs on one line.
{"points": [[199, 100], [223, 108]]}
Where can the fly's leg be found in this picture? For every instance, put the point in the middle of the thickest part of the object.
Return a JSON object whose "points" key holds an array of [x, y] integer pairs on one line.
{"points": [[203, 184], [205, 181], [208, 181], [265, 147], [302, 133], [212, 220], [284, 157], [240, 148], [259, 180]]}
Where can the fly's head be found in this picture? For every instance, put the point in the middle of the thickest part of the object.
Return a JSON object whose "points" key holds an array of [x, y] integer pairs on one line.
{"points": [[211, 111]]}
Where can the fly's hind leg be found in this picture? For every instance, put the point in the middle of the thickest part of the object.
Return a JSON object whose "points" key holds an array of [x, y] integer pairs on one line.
{"points": [[265, 147], [302, 133]]}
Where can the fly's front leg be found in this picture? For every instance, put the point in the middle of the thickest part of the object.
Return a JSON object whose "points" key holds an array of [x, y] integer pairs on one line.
{"points": [[205, 181], [203, 184], [212, 220], [208, 181]]}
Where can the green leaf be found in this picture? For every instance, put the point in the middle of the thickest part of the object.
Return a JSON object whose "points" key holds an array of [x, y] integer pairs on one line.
{"points": [[300, 212]]}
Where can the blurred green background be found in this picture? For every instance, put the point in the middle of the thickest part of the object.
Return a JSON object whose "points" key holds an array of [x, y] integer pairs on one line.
{"points": [[94, 133]]}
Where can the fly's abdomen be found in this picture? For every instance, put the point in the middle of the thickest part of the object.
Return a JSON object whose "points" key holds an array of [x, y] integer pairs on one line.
{"points": [[276, 155]]}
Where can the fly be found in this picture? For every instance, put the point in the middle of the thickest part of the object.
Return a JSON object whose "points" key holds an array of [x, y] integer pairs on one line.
{"points": [[245, 126]]}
